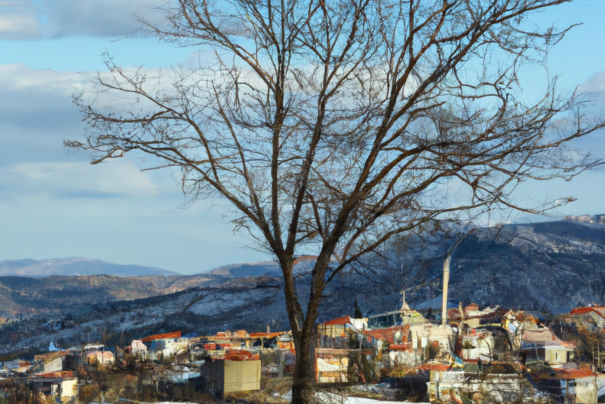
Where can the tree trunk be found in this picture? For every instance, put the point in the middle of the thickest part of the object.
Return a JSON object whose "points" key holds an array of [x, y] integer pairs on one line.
{"points": [[304, 372], [303, 329]]}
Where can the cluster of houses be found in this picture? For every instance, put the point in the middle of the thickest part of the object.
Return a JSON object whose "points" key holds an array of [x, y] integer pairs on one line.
{"points": [[493, 354], [54, 374], [228, 362], [490, 353]]}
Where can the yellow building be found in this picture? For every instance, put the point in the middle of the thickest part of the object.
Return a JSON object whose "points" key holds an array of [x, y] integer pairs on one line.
{"points": [[230, 376]]}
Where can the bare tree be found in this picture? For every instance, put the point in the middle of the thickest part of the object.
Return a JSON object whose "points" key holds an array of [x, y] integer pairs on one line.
{"points": [[332, 126]]}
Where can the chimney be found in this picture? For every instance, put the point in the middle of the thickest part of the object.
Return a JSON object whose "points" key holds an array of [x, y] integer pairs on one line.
{"points": [[268, 329]]}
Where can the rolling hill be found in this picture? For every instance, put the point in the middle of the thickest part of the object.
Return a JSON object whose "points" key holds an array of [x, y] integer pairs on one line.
{"points": [[260, 268], [550, 266], [74, 266]]}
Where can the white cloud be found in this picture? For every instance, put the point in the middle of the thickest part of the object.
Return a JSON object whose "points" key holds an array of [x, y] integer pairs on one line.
{"points": [[19, 19], [596, 83], [38, 98], [80, 179], [29, 19], [594, 87], [17, 76], [54, 203], [97, 17], [41, 98]]}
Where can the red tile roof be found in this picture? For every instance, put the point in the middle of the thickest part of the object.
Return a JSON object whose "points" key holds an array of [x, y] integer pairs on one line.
{"points": [[600, 310], [565, 374], [406, 346], [264, 334], [65, 374], [175, 334], [241, 355], [388, 334], [546, 337], [434, 367], [340, 321]]}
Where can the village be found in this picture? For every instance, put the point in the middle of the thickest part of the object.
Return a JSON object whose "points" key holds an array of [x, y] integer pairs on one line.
{"points": [[463, 354], [250, 201]]}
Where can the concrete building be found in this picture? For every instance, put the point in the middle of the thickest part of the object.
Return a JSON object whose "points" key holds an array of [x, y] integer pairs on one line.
{"points": [[452, 386], [137, 347], [339, 326], [100, 358], [571, 385], [331, 365], [240, 372], [54, 365], [168, 347], [181, 374], [596, 313], [478, 345], [60, 387], [542, 345]]}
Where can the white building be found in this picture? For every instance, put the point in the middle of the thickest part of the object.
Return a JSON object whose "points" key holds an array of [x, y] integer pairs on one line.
{"points": [[451, 386], [137, 347], [478, 346], [169, 346]]}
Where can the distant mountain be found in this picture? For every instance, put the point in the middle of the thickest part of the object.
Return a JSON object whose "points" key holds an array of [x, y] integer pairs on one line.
{"points": [[553, 266], [74, 266], [549, 265], [92, 312], [176, 283], [260, 268], [303, 263], [60, 295], [586, 219]]}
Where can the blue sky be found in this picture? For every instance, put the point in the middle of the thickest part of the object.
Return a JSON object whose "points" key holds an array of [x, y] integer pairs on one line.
{"points": [[54, 204]]}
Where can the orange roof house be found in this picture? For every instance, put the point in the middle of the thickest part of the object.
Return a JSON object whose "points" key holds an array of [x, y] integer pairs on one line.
{"points": [[586, 386], [175, 334], [394, 335], [336, 327], [597, 313], [340, 321], [599, 310], [543, 345]]}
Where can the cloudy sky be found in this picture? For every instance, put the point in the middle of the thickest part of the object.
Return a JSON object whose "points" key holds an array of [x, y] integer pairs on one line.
{"points": [[54, 204]]}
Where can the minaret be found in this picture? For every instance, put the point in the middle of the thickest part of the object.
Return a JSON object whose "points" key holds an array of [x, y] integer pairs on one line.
{"points": [[404, 305], [446, 281], [446, 277]]}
